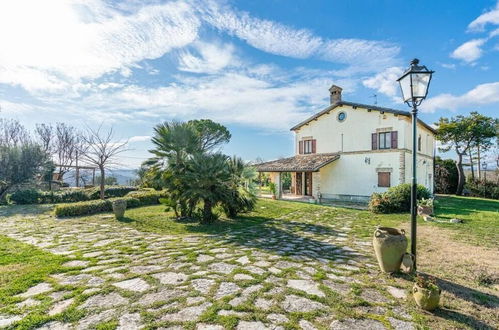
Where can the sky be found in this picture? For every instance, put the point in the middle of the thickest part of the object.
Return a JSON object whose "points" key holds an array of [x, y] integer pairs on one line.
{"points": [[258, 67]]}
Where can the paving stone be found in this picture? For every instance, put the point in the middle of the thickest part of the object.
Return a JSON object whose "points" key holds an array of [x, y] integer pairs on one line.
{"points": [[243, 260], [226, 289], [170, 278], [129, 322], [55, 325], [91, 290], [28, 303], [92, 320], [251, 325], [35, 290], [60, 307], [92, 254], [76, 263], [202, 285], [104, 301], [255, 270], [306, 325], [400, 325], [187, 314], [294, 303], [222, 267], [204, 258], [204, 326], [243, 277], [135, 284], [372, 309], [307, 286], [401, 312], [144, 269], [373, 296], [264, 304], [194, 300], [396, 292], [6, 320], [337, 287], [277, 318], [163, 295], [349, 324]]}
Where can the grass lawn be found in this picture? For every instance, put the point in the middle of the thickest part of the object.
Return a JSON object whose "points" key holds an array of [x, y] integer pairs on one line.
{"points": [[463, 257]]}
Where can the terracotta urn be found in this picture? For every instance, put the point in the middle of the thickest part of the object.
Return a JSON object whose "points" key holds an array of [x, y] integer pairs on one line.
{"points": [[426, 298], [389, 245], [119, 207], [425, 210]]}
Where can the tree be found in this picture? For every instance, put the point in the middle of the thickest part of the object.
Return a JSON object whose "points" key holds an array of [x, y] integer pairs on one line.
{"points": [[484, 129], [456, 133], [242, 190], [109, 181], [13, 133], [446, 176], [101, 151], [21, 164], [209, 133], [207, 177]]}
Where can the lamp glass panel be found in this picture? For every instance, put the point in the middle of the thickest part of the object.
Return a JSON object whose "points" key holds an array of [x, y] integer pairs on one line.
{"points": [[405, 86], [420, 82]]}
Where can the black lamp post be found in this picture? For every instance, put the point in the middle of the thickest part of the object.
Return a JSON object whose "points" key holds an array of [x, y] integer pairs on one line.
{"points": [[414, 85]]}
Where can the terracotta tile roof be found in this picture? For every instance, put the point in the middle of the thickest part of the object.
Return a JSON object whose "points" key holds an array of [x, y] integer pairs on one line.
{"points": [[298, 163], [359, 105]]}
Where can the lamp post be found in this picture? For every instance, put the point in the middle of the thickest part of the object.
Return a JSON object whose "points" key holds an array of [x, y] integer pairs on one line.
{"points": [[414, 85]]}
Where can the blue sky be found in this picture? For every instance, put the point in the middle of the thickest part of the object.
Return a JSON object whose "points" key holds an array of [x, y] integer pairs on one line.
{"points": [[258, 67]]}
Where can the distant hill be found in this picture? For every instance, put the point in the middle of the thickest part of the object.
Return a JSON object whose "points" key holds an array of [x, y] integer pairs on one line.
{"points": [[124, 176]]}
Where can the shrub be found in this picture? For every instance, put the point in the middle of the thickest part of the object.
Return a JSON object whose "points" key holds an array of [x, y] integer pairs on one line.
{"points": [[28, 196], [396, 199], [482, 188], [111, 191], [133, 199]]}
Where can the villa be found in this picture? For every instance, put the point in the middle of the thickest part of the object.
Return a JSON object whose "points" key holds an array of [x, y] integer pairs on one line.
{"points": [[349, 150]]}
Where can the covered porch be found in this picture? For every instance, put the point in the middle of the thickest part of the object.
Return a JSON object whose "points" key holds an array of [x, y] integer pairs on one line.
{"points": [[304, 171]]}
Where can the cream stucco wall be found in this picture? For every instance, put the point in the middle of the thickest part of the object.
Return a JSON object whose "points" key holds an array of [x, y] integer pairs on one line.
{"points": [[354, 174]]}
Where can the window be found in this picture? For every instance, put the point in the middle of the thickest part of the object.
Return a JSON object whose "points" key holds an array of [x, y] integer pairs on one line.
{"points": [[419, 143], [342, 116], [383, 179], [385, 140], [307, 146]]}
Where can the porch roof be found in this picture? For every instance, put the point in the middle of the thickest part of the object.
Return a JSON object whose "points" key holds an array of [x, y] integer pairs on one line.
{"points": [[298, 163]]}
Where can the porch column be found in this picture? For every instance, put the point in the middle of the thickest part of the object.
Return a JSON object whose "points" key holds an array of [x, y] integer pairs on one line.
{"points": [[316, 184], [278, 185], [303, 183]]}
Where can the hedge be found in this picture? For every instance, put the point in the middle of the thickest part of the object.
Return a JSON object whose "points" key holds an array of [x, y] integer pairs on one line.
{"points": [[32, 196], [133, 199], [482, 188], [396, 199]]}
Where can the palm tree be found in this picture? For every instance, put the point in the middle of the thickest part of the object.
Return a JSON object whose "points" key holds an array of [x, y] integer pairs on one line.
{"points": [[242, 192], [207, 178]]}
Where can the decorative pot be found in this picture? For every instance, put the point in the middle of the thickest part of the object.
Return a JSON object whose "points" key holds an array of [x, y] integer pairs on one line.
{"points": [[274, 197], [119, 207], [407, 265], [425, 210], [427, 299], [390, 245]]}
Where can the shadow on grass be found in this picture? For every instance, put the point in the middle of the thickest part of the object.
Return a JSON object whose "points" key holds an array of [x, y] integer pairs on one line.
{"points": [[25, 210], [468, 320], [451, 207]]}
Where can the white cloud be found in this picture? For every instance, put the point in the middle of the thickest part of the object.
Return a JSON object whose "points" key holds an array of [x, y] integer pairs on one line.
{"points": [[482, 94], [470, 51], [489, 17], [385, 82], [139, 138], [65, 40], [212, 58], [450, 66]]}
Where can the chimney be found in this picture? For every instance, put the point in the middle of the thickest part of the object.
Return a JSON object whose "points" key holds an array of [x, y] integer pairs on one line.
{"points": [[335, 94]]}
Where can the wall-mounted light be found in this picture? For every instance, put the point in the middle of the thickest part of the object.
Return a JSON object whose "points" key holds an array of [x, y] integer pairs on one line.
{"points": [[367, 160]]}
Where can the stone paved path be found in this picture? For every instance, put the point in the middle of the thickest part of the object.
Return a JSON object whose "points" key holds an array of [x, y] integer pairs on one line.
{"points": [[284, 274]]}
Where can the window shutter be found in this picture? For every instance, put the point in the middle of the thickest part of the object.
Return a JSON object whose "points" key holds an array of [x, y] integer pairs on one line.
{"points": [[383, 179], [314, 146], [374, 141], [300, 147], [394, 140]]}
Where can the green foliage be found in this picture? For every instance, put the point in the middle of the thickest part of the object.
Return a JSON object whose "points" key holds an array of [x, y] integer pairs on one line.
{"points": [[426, 282], [286, 180], [108, 181], [111, 191], [273, 188], [396, 199], [242, 191], [429, 202], [482, 188], [133, 199], [28, 196], [446, 176]]}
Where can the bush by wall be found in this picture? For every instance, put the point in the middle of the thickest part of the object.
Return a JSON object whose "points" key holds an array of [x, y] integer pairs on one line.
{"points": [[133, 199], [396, 199], [482, 188], [33, 196]]}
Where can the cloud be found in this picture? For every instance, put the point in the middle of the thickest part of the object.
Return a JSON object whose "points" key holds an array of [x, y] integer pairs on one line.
{"points": [[65, 41], [482, 94], [210, 58], [385, 82], [470, 51], [489, 17], [139, 138]]}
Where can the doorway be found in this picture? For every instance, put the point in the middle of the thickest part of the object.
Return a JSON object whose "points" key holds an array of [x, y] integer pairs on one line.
{"points": [[308, 184]]}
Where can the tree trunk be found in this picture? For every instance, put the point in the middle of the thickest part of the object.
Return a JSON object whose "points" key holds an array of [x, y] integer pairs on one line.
{"points": [[479, 168], [461, 177], [471, 165], [207, 216], [102, 179]]}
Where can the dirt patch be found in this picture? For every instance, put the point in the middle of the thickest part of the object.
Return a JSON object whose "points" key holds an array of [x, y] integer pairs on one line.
{"points": [[467, 275]]}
